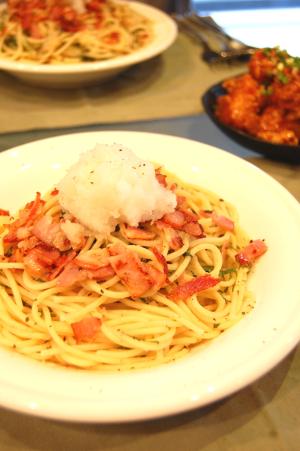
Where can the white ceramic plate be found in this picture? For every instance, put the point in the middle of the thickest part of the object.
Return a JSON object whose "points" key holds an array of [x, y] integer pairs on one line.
{"points": [[84, 74], [230, 362]]}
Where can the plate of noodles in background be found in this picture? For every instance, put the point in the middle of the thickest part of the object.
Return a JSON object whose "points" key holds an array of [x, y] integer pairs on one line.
{"points": [[75, 43], [175, 359], [259, 109]]}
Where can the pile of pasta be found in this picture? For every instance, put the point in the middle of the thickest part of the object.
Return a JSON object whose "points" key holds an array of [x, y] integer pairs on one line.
{"points": [[142, 296], [54, 32]]}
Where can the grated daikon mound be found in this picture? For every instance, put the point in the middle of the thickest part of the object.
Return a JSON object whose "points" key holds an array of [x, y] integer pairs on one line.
{"points": [[110, 184]]}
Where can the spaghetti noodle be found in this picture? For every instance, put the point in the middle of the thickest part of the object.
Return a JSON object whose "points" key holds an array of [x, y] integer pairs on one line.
{"points": [[53, 32], [143, 296]]}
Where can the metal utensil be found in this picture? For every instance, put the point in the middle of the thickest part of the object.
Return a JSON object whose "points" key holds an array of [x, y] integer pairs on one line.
{"points": [[209, 54], [229, 43]]}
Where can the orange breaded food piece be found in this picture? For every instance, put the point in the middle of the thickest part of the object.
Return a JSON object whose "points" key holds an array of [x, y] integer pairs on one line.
{"points": [[240, 107], [265, 102]]}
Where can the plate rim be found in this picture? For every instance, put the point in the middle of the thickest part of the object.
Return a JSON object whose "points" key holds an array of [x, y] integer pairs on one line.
{"points": [[50, 411]]}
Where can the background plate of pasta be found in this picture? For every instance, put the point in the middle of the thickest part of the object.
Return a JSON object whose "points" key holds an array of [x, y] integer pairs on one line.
{"points": [[73, 43], [141, 275]]}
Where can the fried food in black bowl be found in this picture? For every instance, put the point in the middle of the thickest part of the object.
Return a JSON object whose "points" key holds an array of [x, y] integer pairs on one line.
{"points": [[260, 109]]}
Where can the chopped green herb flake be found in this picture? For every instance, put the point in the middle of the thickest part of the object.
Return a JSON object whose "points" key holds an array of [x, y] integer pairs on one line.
{"points": [[223, 272], [11, 41], [267, 90], [207, 268], [296, 62], [267, 51], [282, 78]]}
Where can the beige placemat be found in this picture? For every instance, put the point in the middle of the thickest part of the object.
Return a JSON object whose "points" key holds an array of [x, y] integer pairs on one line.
{"points": [[167, 86]]}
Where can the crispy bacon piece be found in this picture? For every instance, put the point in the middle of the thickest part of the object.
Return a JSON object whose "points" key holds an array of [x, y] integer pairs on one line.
{"points": [[54, 192], [103, 273], [40, 261], [23, 233], [61, 263], [174, 239], [86, 329], [130, 269], [176, 219], [223, 222], [194, 229], [32, 209], [50, 233], [187, 289], [184, 220], [161, 178], [189, 216], [136, 233], [44, 262], [26, 218], [84, 268], [27, 243], [62, 235], [157, 278], [251, 252], [206, 213], [94, 5], [138, 277], [181, 202], [71, 275], [99, 270], [161, 259], [112, 38]]}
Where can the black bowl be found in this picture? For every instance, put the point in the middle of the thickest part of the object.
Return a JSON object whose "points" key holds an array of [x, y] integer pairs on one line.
{"points": [[282, 152]]}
